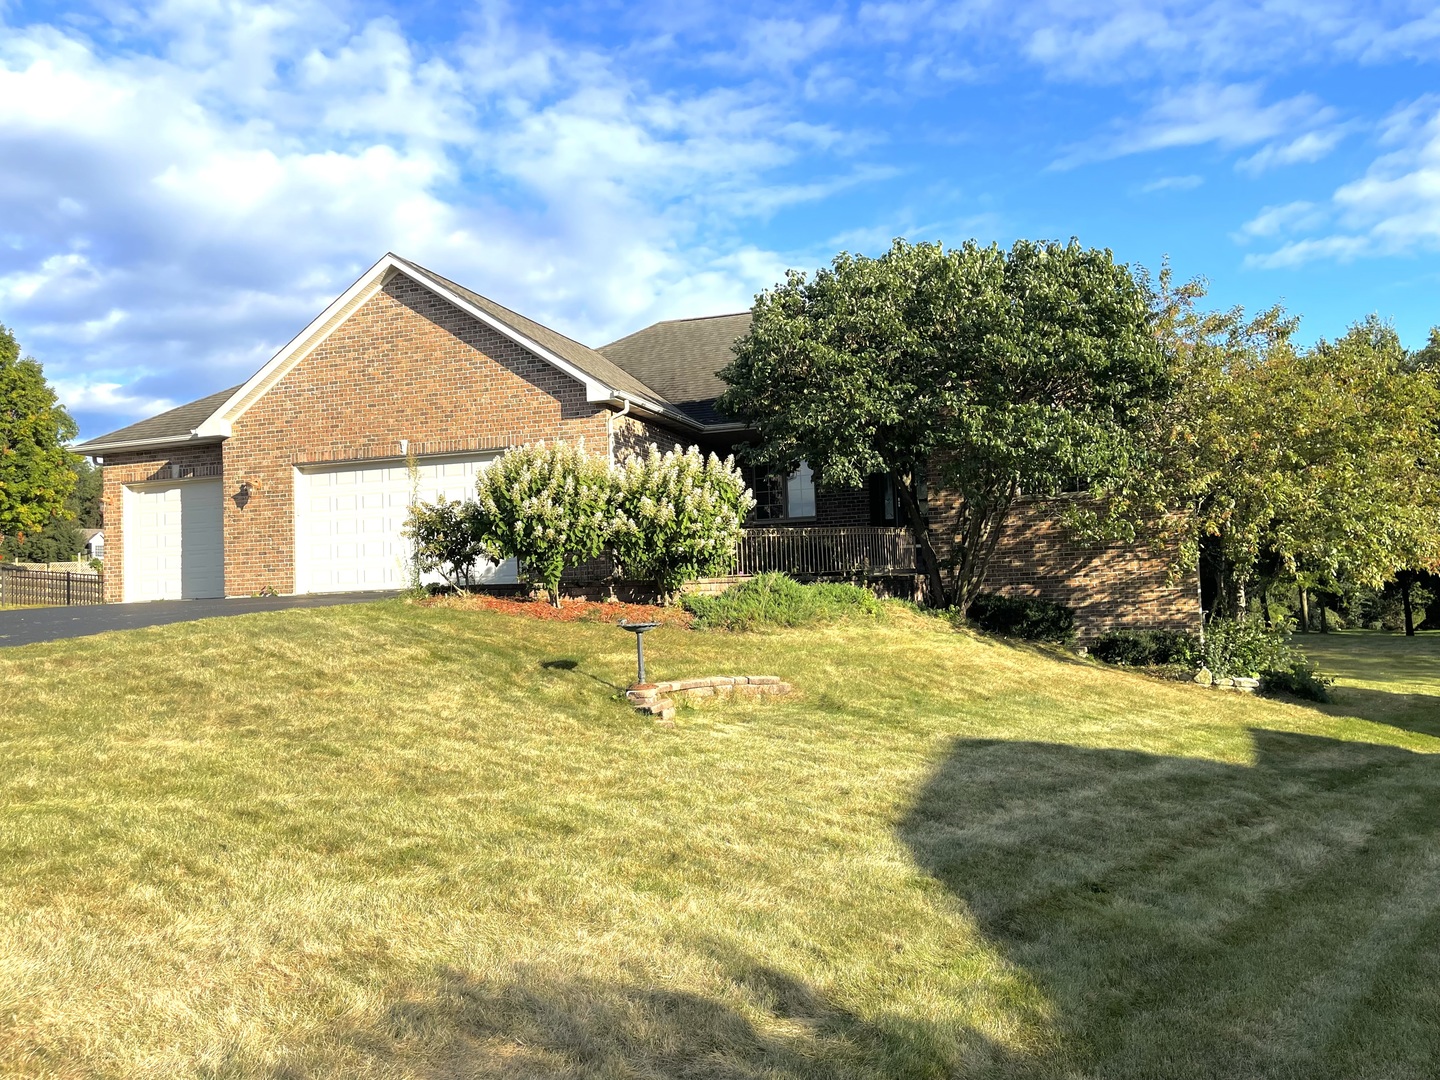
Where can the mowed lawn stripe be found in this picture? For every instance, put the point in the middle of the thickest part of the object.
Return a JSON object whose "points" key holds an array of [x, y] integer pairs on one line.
{"points": [[400, 841]]}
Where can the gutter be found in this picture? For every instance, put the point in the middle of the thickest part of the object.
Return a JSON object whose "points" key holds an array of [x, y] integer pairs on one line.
{"points": [[92, 449], [610, 424]]}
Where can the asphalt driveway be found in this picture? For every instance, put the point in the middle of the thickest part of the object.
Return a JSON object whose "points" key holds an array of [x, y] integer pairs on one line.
{"points": [[26, 626]]}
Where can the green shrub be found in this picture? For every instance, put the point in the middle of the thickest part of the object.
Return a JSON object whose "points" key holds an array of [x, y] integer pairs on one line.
{"points": [[448, 538], [777, 600], [1300, 680], [1026, 617], [1246, 648], [1146, 648]]}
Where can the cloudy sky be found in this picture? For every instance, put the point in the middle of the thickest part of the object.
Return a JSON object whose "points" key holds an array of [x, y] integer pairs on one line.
{"points": [[183, 186]]}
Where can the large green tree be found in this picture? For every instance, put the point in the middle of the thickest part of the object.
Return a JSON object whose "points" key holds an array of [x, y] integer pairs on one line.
{"points": [[61, 538], [993, 373], [37, 472], [1318, 464]]}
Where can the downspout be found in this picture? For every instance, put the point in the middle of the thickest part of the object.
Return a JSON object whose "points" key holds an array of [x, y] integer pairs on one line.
{"points": [[610, 425]]}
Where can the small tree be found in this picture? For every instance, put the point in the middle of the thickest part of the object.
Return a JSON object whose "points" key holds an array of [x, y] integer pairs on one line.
{"points": [[679, 516], [449, 539], [37, 472], [547, 505]]}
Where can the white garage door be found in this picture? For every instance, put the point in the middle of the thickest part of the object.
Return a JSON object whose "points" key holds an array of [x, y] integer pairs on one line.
{"points": [[348, 521], [174, 546]]}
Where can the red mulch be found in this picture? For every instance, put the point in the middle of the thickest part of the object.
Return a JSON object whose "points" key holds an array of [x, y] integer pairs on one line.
{"points": [[569, 611]]}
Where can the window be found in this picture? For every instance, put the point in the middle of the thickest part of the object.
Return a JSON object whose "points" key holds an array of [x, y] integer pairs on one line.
{"points": [[800, 493], [780, 497]]}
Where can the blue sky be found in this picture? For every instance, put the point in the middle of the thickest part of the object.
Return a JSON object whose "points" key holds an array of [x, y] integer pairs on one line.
{"points": [[185, 185]]}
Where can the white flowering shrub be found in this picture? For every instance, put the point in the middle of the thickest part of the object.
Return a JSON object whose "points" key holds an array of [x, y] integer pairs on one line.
{"points": [[447, 538], [549, 505], [678, 516]]}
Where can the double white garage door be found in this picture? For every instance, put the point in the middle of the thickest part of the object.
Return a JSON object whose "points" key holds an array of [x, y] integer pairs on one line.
{"points": [[348, 522]]}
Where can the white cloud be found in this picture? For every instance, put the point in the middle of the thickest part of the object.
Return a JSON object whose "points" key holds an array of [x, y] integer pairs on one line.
{"points": [[185, 189], [1188, 182], [1274, 220], [1394, 209], [1303, 149], [1230, 116]]}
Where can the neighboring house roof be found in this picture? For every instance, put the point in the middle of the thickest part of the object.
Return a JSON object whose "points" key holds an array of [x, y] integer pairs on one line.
{"points": [[86, 535], [682, 359], [668, 369], [173, 426]]}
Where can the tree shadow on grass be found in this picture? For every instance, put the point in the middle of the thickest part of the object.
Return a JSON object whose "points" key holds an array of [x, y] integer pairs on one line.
{"points": [[1191, 918], [1408, 711], [542, 1023]]}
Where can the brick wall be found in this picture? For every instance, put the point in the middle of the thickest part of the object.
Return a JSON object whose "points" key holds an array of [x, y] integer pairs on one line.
{"points": [[1110, 586], [634, 435], [406, 365], [133, 468]]}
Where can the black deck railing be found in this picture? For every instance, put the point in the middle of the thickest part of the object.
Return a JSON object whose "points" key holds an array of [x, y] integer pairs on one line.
{"points": [[48, 587], [805, 551]]}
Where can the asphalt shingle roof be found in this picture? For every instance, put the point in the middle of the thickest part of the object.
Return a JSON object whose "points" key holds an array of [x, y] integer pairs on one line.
{"points": [[682, 359], [176, 423]]}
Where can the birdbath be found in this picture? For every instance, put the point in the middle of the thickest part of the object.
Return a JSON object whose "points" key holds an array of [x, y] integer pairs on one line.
{"points": [[639, 629]]}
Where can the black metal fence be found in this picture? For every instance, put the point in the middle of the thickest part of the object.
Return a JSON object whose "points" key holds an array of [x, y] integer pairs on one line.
{"points": [[50, 588], [825, 552]]}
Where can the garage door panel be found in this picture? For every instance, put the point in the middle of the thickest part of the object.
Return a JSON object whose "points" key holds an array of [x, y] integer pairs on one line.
{"points": [[174, 546], [368, 506]]}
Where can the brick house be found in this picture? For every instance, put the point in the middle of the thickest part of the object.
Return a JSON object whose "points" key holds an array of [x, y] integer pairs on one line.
{"points": [[299, 479]]}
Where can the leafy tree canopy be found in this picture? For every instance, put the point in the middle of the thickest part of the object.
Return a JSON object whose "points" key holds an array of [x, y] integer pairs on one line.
{"points": [[1320, 463], [992, 372], [37, 472]]}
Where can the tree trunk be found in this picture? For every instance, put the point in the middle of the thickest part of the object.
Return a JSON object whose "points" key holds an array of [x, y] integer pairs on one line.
{"points": [[1407, 605], [1304, 610], [920, 529], [1324, 617]]}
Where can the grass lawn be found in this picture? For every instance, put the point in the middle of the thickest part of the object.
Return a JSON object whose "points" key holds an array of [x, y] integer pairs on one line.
{"points": [[392, 841]]}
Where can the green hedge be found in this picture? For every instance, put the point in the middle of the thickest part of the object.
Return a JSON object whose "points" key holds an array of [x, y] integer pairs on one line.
{"points": [[1026, 617], [778, 600], [1146, 648]]}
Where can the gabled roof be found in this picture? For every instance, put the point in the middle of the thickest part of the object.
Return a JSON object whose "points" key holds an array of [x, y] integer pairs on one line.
{"points": [[177, 425], [582, 356], [682, 359], [210, 418]]}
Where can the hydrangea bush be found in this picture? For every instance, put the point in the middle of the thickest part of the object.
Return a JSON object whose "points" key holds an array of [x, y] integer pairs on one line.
{"points": [[678, 517], [548, 505]]}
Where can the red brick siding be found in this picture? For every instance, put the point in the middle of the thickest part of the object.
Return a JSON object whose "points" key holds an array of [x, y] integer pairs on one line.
{"points": [[1110, 586], [406, 365], [634, 435], [135, 467]]}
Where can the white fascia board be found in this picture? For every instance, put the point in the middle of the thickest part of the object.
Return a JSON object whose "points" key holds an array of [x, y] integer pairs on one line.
{"points": [[333, 317], [321, 327]]}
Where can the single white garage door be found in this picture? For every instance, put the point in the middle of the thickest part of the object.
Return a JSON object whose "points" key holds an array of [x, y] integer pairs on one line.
{"points": [[348, 521], [174, 541]]}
